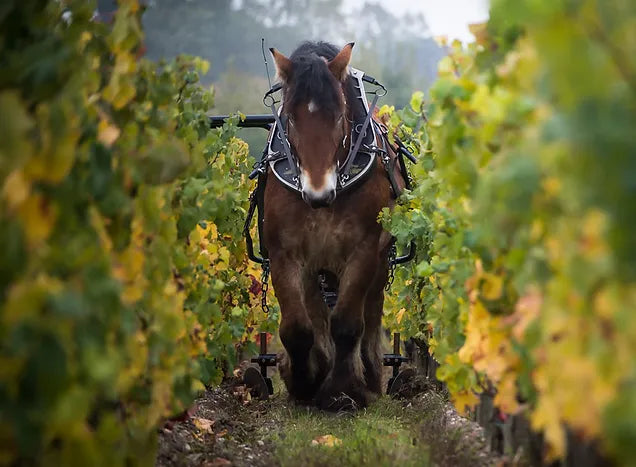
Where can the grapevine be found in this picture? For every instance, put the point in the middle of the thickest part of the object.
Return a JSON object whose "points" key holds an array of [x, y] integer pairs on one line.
{"points": [[525, 284], [124, 284]]}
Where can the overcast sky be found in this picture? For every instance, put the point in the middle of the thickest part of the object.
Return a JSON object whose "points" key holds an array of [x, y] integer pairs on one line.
{"points": [[445, 17]]}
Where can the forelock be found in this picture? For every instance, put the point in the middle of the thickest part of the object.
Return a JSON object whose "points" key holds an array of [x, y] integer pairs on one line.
{"points": [[311, 79]]}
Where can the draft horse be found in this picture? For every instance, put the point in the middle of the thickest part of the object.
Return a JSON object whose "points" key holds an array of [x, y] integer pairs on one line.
{"points": [[332, 357]]}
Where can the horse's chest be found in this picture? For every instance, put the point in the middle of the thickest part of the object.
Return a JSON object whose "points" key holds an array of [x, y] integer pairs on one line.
{"points": [[323, 238], [321, 234]]}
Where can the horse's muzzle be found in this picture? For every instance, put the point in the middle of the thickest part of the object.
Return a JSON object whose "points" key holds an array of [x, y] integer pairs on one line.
{"points": [[320, 202]]}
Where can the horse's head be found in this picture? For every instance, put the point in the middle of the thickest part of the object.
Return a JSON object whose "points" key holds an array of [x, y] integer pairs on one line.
{"points": [[314, 82]]}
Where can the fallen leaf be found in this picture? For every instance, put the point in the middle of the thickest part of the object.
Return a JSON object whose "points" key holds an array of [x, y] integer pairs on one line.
{"points": [[203, 424], [218, 462], [180, 417], [326, 440]]}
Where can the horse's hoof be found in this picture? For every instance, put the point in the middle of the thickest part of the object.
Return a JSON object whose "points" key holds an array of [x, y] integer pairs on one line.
{"points": [[340, 404], [341, 401]]}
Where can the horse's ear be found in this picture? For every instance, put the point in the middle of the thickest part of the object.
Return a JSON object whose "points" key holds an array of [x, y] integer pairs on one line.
{"points": [[283, 65], [338, 65]]}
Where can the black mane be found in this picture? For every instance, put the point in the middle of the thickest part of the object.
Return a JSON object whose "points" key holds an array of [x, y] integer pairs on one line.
{"points": [[312, 80]]}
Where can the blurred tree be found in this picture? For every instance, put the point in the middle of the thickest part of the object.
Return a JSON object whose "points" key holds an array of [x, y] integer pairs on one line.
{"points": [[396, 50]]}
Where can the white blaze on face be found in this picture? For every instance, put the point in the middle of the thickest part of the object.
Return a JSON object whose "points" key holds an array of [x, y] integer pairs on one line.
{"points": [[312, 106], [326, 190]]}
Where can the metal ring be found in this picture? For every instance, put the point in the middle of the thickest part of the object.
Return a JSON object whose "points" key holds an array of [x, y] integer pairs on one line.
{"points": [[268, 100], [381, 91], [358, 129]]}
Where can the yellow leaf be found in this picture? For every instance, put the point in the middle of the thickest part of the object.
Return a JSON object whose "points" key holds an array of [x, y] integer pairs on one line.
{"points": [[464, 400], [593, 244], [107, 133], [536, 229], [16, 143], [25, 299], [527, 310], [129, 267], [197, 386], [326, 440], [603, 305], [552, 186], [57, 148], [506, 397], [491, 286], [203, 424], [545, 417], [38, 217], [99, 225], [16, 189], [441, 40], [480, 31], [400, 315], [201, 232]]}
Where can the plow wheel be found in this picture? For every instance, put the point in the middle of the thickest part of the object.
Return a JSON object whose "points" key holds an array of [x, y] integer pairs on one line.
{"points": [[255, 378], [399, 384], [260, 386]]}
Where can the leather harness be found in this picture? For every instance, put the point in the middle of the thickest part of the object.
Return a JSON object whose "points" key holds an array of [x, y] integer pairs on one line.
{"points": [[363, 153], [365, 149]]}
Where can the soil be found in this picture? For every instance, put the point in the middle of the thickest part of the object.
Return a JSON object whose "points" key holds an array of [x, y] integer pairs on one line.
{"points": [[234, 437], [226, 427]]}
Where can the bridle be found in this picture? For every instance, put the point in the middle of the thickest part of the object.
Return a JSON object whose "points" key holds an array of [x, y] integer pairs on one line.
{"points": [[362, 144], [341, 120]]}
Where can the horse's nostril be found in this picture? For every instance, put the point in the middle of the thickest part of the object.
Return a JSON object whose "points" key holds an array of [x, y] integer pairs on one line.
{"points": [[320, 202]]}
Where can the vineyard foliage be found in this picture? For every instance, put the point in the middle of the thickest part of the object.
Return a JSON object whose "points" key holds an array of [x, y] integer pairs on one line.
{"points": [[524, 214], [124, 283]]}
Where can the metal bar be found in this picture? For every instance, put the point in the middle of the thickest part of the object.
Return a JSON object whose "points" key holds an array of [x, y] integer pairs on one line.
{"points": [[407, 257], [264, 121], [263, 339], [396, 351], [405, 151], [246, 231]]}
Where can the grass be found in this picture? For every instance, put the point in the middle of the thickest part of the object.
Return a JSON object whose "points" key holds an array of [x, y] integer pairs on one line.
{"points": [[384, 434]]}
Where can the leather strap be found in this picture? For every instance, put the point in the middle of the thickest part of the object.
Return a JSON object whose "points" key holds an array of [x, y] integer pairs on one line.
{"points": [[354, 150], [281, 132]]}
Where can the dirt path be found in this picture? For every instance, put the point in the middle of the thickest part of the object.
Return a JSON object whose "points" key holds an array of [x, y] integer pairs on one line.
{"points": [[226, 427]]}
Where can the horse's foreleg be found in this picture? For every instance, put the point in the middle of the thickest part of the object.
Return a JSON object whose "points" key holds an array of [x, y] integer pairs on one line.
{"points": [[347, 326], [322, 352], [296, 331], [372, 337]]}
